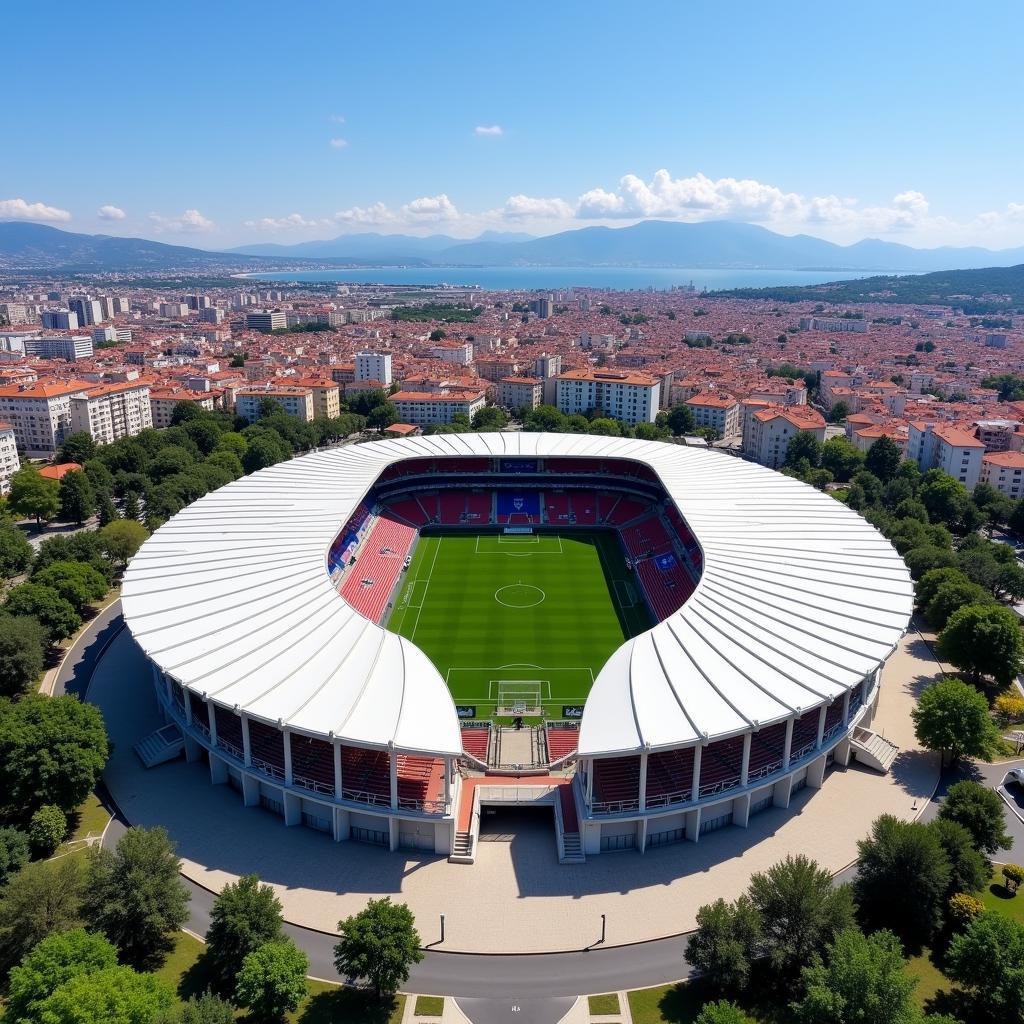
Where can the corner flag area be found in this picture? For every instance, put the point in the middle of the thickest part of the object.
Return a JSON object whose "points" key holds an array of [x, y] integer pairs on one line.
{"points": [[519, 620]]}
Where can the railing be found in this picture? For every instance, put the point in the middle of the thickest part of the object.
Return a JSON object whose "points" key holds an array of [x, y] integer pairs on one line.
{"points": [[681, 796], [313, 785], [711, 788], [267, 768], [799, 755], [362, 796], [614, 806], [837, 728], [765, 770], [229, 748], [201, 727], [426, 806]]}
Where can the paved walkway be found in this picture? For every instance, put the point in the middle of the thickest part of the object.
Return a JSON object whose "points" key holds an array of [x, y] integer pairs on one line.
{"points": [[516, 898]]}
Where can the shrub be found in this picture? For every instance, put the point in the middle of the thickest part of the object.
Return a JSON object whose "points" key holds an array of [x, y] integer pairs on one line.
{"points": [[1013, 875], [47, 829], [1009, 707], [963, 908]]}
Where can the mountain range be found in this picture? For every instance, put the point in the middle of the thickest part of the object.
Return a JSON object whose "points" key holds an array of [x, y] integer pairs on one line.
{"points": [[28, 248]]}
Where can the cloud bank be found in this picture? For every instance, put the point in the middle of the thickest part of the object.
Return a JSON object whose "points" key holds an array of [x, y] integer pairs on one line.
{"points": [[19, 209]]}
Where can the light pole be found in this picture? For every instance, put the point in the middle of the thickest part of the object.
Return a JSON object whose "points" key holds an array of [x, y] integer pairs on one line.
{"points": [[442, 927], [603, 922]]}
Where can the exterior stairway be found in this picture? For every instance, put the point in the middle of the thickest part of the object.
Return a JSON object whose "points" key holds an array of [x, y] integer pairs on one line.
{"points": [[572, 849], [163, 745], [873, 750], [463, 852]]}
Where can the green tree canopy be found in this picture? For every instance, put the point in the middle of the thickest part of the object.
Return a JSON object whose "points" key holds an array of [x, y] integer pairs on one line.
{"points": [[983, 640], [77, 582], [23, 644], [490, 418], [47, 829], [721, 1012], [841, 458], [272, 981], [52, 751], [953, 718], [969, 870], [77, 447], [206, 1009], [987, 959], [951, 597], [380, 944], [115, 995], [726, 940], [803, 445], [924, 559], [34, 496], [56, 614], [135, 897], [928, 585], [883, 458], [77, 498], [14, 851], [979, 810], [120, 540], [245, 916], [16, 553]]}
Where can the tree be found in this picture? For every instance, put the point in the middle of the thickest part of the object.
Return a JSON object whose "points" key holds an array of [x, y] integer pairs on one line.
{"points": [[490, 418], [980, 811], [1013, 875], [52, 751], [928, 585], [51, 963], [106, 512], [206, 1009], [800, 909], [841, 458], [983, 641], [115, 995], [77, 582], [726, 940], [272, 981], [382, 416], [262, 452], [135, 897], [14, 850], [34, 496], [77, 498], [839, 411], [953, 718], [77, 447], [987, 959], [380, 943], [22, 651], [969, 870], [902, 879], [925, 559], [883, 458], [56, 615], [945, 498], [951, 597], [16, 553], [245, 916], [1010, 581], [121, 540], [721, 1012], [41, 899], [862, 978], [803, 445], [47, 829]]}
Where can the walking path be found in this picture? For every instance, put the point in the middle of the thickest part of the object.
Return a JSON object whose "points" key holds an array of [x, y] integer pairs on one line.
{"points": [[516, 898]]}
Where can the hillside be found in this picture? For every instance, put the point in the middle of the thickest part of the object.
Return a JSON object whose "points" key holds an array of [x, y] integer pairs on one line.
{"points": [[982, 290]]}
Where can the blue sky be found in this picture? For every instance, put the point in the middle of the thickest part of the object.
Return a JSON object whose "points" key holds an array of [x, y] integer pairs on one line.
{"points": [[220, 123]]}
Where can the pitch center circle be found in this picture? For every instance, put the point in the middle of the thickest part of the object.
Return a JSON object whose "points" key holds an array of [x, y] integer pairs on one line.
{"points": [[519, 595]]}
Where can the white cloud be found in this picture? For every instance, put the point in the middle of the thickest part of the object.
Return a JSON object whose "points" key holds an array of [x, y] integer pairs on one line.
{"points": [[425, 210], [486, 130], [109, 212], [292, 221], [338, 143], [336, 118], [18, 209], [189, 222], [431, 208], [520, 207]]}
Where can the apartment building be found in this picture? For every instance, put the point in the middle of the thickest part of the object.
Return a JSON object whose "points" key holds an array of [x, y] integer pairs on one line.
{"points": [[951, 449], [326, 395], [111, 411], [493, 368], [520, 392], [548, 367], [997, 435], [40, 414], [373, 366], [76, 347], [713, 409], [772, 428], [834, 324], [267, 320], [460, 353], [9, 461], [1005, 472], [294, 401], [630, 397], [421, 408], [163, 400], [59, 320]]}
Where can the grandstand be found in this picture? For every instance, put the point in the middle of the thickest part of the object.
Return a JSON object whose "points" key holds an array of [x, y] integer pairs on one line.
{"points": [[700, 637]]}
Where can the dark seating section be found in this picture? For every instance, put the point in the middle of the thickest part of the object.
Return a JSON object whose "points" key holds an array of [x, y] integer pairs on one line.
{"points": [[229, 729], [562, 739], [669, 776], [570, 822], [312, 762], [199, 712], [584, 507], [834, 715], [766, 750], [420, 781], [365, 775], [625, 510], [617, 781], [805, 731], [720, 765], [452, 506], [267, 745], [368, 584], [478, 508], [666, 589], [178, 696], [477, 741], [556, 508], [645, 538], [408, 510]]}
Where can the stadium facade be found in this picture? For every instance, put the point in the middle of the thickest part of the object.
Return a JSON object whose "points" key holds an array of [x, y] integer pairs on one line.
{"points": [[776, 608]]}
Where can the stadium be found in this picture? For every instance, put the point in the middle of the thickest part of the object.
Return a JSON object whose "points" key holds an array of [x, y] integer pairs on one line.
{"points": [[383, 641]]}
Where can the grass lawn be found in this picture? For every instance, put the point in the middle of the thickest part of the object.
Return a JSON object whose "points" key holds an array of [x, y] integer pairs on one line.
{"points": [[429, 1006], [90, 818], [604, 1004], [542, 610], [677, 1004], [996, 897], [326, 1004], [930, 980]]}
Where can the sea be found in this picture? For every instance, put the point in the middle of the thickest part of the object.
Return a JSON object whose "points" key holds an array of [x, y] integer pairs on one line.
{"points": [[529, 278]]}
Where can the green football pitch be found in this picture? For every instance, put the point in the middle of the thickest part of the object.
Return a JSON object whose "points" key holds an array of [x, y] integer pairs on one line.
{"points": [[519, 618]]}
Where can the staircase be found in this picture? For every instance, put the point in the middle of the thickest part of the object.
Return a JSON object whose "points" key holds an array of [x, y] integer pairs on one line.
{"points": [[163, 745], [873, 750], [463, 851], [572, 849]]}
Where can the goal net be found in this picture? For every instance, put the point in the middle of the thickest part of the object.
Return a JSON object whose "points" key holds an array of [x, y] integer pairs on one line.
{"points": [[520, 697]]}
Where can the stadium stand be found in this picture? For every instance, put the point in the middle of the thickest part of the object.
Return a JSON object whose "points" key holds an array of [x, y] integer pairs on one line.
{"points": [[584, 507], [625, 510], [312, 764], [766, 750], [476, 741], [267, 748], [420, 782], [720, 766], [833, 717], [805, 735], [617, 782], [570, 818], [665, 582], [199, 712], [556, 508], [478, 508], [562, 739], [452, 505], [229, 731], [669, 777], [368, 584], [408, 510], [365, 776]]}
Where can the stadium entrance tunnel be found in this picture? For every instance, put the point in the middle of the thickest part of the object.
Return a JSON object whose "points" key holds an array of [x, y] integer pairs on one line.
{"points": [[507, 823]]}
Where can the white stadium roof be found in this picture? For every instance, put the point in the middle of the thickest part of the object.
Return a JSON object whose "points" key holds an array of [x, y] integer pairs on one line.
{"points": [[800, 598]]}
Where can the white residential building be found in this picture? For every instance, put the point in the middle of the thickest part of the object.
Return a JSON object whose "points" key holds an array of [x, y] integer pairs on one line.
{"points": [[460, 353], [40, 414], [421, 408], [162, 403], [9, 461], [111, 411], [269, 320], [630, 397], [77, 346], [1005, 472], [297, 402], [771, 428], [520, 392], [714, 409], [374, 366], [954, 451]]}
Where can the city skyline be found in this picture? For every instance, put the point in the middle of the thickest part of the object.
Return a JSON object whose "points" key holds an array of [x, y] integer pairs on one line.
{"points": [[458, 124]]}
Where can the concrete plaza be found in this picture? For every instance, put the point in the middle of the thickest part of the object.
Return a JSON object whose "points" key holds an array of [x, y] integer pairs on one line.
{"points": [[516, 897]]}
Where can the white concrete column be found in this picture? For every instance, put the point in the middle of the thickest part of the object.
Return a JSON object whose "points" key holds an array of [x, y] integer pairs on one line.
{"points": [[642, 794], [292, 808], [250, 790], [218, 770], [781, 792], [447, 782], [393, 771], [816, 772], [695, 788], [693, 825], [211, 717], [286, 742], [787, 747], [846, 708], [741, 810], [745, 764], [590, 783], [821, 724], [188, 706], [336, 745], [246, 741]]}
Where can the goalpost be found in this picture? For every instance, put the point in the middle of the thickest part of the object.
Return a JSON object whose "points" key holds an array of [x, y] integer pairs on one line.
{"points": [[520, 697]]}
